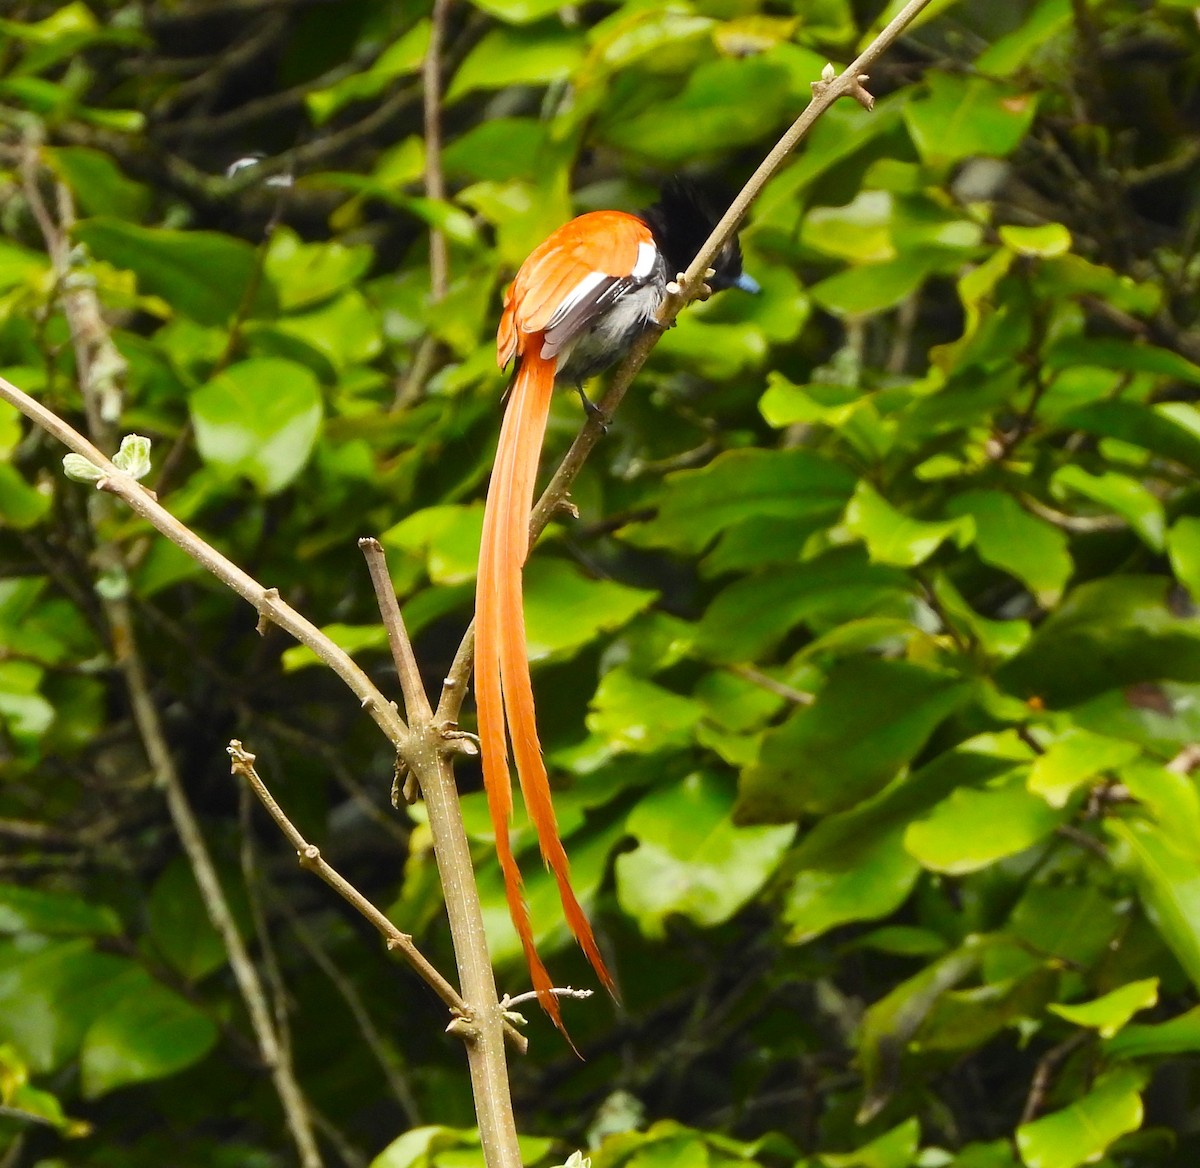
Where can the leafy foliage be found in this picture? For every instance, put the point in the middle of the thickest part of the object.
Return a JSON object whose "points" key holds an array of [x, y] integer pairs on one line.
{"points": [[868, 675]]}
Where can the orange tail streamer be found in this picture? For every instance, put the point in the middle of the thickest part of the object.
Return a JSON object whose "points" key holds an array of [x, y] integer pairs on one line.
{"points": [[503, 687]]}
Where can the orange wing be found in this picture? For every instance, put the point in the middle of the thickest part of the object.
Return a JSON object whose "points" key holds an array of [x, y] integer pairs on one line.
{"points": [[604, 243]]}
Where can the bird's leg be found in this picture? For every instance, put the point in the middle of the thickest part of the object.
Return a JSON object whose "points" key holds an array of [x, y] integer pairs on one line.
{"points": [[590, 408]]}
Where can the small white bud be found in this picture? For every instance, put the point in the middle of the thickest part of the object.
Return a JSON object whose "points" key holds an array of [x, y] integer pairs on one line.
{"points": [[134, 456]]}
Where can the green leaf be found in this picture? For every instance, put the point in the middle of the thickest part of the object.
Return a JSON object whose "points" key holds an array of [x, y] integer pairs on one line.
{"points": [[894, 1149], [417, 1147], [31, 910], [996, 1154], [1171, 798], [507, 57], [21, 506], [858, 231], [1112, 632], [401, 58], [565, 609], [496, 150], [873, 288], [307, 273], [634, 34], [259, 418], [748, 618], [893, 537], [959, 117], [877, 883], [518, 11], [1180, 1035], [148, 1034], [446, 538], [1047, 239], [99, 185], [1183, 546], [1009, 538], [201, 274], [965, 1019], [353, 639], [20, 266], [739, 485], [690, 859], [701, 119], [1117, 353], [974, 828], [632, 714], [1074, 923], [1082, 1131], [1073, 760], [1122, 494], [179, 925], [346, 330], [49, 996], [853, 865], [1168, 883], [1037, 31], [1109, 1013], [870, 719], [890, 1024], [24, 712]]}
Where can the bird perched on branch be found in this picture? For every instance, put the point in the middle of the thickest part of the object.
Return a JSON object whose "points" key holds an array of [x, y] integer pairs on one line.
{"points": [[576, 306]]}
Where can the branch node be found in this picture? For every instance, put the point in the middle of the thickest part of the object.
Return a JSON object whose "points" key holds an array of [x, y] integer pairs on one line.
{"points": [[567, 507], [265, 619], [456, 741], [309, 856], [860, 93], [463, 1028], [405, 788]]}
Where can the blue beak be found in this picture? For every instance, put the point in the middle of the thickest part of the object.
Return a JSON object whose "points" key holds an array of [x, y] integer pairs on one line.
{"points": [[747, 284]]}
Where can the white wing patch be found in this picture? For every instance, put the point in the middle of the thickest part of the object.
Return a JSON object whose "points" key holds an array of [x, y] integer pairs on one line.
{"points": [[646, 257], [577, 295], [591, 298]]}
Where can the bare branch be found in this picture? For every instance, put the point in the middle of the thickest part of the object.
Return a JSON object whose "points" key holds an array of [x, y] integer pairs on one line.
{"points": [[416, 701], [309, 856], [435, 181]]}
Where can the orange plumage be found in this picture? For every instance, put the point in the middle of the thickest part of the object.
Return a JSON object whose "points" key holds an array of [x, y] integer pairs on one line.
{"points": [[598, 246]]}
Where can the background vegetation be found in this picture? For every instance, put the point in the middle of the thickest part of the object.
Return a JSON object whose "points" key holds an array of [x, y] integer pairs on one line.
{"points": [[869, 674]]}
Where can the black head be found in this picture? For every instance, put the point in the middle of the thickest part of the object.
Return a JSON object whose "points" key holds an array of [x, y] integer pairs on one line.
{"points": [[681, 221]]}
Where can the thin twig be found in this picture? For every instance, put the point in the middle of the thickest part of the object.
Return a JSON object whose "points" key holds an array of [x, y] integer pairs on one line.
{"points": [[772, 685], [457, 679], [416, 701], [262, 929], [1042, 1076], [435, 180], [389, 1062], [309, 856], [1084, 524], [558, 991]]}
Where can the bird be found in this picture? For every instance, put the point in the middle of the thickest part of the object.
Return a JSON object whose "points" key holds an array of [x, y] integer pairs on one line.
{"points": [[576, 305]]}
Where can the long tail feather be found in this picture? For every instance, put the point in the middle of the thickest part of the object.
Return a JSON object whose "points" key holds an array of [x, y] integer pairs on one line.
{"points": [[503, 687], [490, 619]]}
